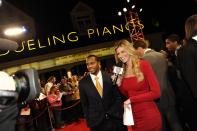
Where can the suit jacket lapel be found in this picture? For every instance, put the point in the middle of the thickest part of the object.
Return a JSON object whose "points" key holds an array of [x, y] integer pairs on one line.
{"points": [[92, 86], [104, 84]]}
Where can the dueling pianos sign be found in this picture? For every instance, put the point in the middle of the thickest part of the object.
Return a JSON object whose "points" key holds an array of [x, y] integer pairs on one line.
{"points": [[65, 39]]}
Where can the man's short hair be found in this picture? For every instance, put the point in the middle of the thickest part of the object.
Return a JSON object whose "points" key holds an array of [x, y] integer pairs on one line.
{"points": [[96, 57], [140, 43], [174, 38]]}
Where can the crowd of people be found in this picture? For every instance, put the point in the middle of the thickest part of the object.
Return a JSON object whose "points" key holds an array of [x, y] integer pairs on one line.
{"points": [[59, 107], [66, 94]]}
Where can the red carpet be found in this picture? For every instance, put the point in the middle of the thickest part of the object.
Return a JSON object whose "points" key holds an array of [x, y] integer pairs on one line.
{"points": [[78, 126]]}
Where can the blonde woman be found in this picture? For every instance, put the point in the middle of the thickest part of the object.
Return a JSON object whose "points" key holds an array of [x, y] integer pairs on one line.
{"points": [[140, 86]]}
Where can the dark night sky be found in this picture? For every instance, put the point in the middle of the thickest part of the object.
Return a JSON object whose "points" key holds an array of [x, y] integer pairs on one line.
{"points": [[53, 17]]}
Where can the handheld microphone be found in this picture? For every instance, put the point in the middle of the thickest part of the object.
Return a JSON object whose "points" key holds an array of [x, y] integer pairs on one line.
{"points": [[6, 44], [118, 70]]}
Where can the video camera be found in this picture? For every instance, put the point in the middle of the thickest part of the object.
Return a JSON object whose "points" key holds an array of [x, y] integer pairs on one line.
{"points": [[22, 86], [26, 84]]}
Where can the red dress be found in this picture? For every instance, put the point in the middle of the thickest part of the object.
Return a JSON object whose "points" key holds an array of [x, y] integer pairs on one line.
{"points": [[142, 95]]}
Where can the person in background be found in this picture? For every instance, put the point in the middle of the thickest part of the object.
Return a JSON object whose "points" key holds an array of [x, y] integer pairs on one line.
{"points": [[54, 98], [187, 61], [74, 81], [139, 84], [187, 58], [50, 82], [166, 103], [42, 86], [101, 102], [77, 111], [173, 43], [66, 88]]}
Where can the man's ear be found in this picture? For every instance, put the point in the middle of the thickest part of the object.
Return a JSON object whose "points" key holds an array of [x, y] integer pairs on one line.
{"points": [[99, 65]]}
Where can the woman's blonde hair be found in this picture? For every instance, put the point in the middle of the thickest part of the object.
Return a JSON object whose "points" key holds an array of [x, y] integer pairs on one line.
{"points": [[135, 59]]}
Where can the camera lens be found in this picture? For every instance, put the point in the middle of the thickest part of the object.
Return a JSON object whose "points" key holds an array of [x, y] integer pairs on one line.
{"points": [[27, 84], [22, 86]]}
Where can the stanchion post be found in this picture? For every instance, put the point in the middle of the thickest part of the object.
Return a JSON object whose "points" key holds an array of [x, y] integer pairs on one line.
{"points": [[52, 129]]}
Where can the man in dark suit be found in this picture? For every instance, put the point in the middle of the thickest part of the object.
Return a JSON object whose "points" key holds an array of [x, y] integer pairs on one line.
{"points": [[166, 103], [187, 61], [185, 100], [102, 107]]}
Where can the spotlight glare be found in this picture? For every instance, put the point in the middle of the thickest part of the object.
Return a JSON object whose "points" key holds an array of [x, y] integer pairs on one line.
{"points": [[1, 2], [128, 1], [133, 6], [119, 13], [141, 9], [15, 31], [125, 9]]}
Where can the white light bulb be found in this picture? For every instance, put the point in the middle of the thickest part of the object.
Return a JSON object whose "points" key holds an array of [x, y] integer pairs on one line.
{"points": [[119, 13], [125, 9]]}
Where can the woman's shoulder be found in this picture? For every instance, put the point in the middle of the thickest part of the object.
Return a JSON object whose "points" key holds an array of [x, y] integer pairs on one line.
{"points": [[144, 63], [145, 66]]}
